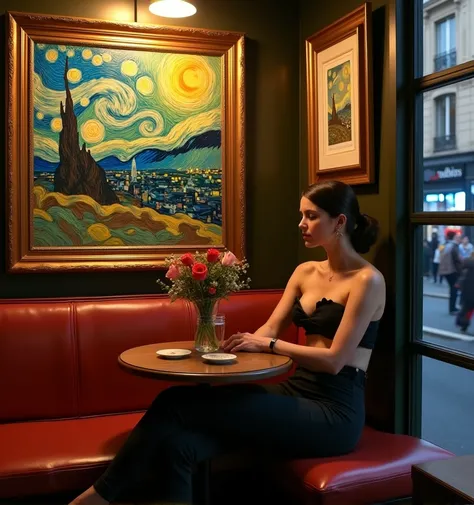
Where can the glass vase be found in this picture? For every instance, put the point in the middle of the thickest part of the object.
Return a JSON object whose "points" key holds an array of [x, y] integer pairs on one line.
{"points": [[205, 338]]}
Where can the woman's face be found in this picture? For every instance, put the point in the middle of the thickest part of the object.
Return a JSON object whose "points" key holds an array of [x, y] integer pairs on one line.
{"points": [[316, 225]]}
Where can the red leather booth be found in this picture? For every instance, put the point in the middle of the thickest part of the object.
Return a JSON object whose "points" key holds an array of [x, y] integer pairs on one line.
{"points": [[66, 406]]}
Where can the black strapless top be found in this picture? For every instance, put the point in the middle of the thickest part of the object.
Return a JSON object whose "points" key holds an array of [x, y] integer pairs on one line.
{"points": [[325, 320]]}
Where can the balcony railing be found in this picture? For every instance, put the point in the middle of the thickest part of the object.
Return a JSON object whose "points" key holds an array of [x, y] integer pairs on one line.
{"points": [[445, 60], [445, 143]]}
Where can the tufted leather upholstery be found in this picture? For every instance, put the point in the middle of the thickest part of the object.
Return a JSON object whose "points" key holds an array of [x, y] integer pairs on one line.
{"points": [[66, 406]]}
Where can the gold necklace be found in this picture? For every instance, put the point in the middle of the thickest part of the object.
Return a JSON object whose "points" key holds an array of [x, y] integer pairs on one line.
{"points": [[331, 273]]}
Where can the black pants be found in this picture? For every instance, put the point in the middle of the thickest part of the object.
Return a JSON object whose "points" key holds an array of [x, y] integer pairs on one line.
{"points": [[453, 290], [189, 424]]}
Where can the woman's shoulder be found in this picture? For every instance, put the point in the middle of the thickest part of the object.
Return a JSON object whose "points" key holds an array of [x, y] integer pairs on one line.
{"points": [[306, 268], [370, 276]]}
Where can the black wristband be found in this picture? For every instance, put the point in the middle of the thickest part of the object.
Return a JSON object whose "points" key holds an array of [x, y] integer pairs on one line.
{"points": [[272, 343]]}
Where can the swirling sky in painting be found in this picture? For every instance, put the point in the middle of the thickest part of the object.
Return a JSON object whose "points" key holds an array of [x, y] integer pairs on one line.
{"points": [[125, 101]]}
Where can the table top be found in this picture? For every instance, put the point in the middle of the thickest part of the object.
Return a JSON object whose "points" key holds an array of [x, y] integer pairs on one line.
{"points": [[454, 473], [248, 366]]}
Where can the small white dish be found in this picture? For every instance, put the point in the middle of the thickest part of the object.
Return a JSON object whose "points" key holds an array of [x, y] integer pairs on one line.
{"points": [[219, 357], [173, 353]]}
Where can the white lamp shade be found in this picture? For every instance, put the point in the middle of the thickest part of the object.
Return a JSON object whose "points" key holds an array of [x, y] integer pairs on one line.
{"points": [[172, 8]]}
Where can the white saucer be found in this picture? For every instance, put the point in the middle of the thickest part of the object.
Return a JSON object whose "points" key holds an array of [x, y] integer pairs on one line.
{"points": [[219, 357], [173, 353]]}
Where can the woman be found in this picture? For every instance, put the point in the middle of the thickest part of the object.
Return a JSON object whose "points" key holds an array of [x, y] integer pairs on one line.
{"points": [[319, 411]]}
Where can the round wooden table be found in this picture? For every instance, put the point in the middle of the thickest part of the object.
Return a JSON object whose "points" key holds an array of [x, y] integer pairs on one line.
{"points": [[248, 366]]}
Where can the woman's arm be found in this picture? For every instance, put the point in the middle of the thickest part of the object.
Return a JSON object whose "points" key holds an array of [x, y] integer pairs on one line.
{"points": [[281, 316], [363, 302]]}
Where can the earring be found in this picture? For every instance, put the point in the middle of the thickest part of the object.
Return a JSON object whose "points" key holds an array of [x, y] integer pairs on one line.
{"points": [[338, 233]]}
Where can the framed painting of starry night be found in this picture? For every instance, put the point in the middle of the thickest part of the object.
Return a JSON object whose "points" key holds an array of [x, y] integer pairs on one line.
{"points": [[339, 100], [125, 143]]}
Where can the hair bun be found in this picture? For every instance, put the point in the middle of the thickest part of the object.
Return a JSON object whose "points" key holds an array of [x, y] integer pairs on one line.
{"points": [[362, 220], [365, 233]]}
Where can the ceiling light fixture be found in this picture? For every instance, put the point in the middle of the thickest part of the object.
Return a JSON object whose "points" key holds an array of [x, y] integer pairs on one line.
{"points": [[172, 8]]}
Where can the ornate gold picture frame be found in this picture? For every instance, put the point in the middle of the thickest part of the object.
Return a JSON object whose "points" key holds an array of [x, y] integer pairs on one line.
{"points": [[125, 143], [339, 99]]}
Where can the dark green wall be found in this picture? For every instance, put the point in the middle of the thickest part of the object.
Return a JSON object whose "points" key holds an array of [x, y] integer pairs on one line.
{"points": [[272, 122]]}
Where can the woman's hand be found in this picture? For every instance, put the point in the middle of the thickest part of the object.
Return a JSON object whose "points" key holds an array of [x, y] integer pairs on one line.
{"points": [[246, 342]]}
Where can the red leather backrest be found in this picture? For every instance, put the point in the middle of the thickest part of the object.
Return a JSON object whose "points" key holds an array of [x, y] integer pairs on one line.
{"points": [[58, 358], [104, 331], [37, 360]]}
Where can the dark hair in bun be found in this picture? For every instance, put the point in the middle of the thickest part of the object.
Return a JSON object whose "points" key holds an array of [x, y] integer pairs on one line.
{"points": [[336, 198]]}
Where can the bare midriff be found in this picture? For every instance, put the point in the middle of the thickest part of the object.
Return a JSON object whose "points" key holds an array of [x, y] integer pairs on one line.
{"points": [[360, 358]]}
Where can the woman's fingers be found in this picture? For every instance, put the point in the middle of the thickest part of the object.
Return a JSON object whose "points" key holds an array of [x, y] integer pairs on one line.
{"points": [[233, 342]]}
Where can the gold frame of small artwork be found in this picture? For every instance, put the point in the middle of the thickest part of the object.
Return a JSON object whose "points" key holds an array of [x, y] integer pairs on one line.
{"points": [[349, 38]]}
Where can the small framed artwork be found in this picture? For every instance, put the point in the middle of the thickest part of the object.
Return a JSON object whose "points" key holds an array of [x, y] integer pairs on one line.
{"points": [[125, 143], [339, 100]]}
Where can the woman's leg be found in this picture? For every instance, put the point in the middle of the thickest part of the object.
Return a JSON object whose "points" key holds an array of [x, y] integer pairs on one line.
{"points": [[186, 425]]}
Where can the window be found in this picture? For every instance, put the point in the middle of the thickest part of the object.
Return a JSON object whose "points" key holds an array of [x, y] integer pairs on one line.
{"points": [[445, 44], [438, 145], [445, 111]]}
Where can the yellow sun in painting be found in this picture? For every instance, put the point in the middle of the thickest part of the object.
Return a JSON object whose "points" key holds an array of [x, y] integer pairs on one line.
{"points": [[97, 60], [85, 101], [145, 86], [40, 46], [93, 131], [71, 53], [186, 83], [39, 115], [74, 75], [62, 48], [129, 67], [346, 71], [341, 86], [330, 84], [107, 57], [51, 55], [87, 54], [56, 124]]}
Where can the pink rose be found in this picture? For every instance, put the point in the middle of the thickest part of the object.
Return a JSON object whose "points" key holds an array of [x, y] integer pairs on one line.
{"points": [[212, 255], [187, 259], [173, 272], [199, 271], [229, 259]]}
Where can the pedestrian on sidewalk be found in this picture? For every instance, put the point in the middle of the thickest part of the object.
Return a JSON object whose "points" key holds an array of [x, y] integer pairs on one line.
{"points": [[466, 285], [434, 245], [435, 265], [450, 266], [427, 256], [466, 248]]}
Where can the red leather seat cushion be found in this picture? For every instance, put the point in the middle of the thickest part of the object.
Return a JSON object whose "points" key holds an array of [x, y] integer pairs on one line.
{"points": [[378, 470], [54, 456]]}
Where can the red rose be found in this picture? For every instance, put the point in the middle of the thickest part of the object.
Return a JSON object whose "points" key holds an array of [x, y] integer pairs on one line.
{"points": [[187, 259], [199, 271], [212, 290], [212, 255]]}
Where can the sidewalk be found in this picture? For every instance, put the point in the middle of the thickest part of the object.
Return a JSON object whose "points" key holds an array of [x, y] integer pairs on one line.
{"points": [[438, 290], [435, 290]]}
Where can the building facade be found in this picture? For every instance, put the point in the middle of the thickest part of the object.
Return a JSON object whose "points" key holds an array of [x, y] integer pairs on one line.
{"points": [[448, 133]]}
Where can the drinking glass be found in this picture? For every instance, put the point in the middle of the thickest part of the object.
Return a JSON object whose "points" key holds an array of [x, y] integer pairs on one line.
{"points": [[219, 325]]}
